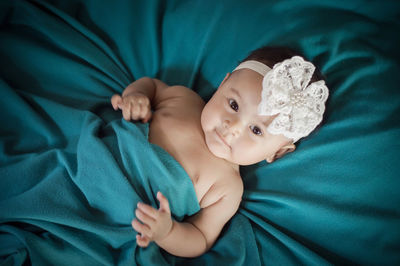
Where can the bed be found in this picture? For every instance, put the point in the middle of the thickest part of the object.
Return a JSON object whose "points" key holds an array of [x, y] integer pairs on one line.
{"points": [[72, 170]]}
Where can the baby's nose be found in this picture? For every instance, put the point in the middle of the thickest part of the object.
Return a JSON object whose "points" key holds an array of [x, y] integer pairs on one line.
{"points": [[232, 126]]}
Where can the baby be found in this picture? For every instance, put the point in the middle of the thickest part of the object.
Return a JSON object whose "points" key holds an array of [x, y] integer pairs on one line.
{"points": [[257, 113]]}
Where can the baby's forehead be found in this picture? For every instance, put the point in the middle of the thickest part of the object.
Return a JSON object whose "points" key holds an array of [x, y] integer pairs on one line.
{"points": [[247, 88]]}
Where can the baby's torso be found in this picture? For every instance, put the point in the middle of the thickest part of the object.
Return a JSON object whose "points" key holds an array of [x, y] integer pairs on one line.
{"points": [[176, 127]]}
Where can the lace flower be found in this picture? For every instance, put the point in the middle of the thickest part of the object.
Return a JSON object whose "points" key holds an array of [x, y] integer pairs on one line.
{"points": [[286, 92]]}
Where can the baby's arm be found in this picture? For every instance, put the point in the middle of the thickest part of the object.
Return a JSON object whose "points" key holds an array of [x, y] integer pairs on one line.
{"points": [[192, 237], [138, 98], [197, 234]]}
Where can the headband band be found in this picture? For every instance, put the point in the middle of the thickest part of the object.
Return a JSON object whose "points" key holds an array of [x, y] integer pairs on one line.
{"points": [[286, 91], [258, 67]]}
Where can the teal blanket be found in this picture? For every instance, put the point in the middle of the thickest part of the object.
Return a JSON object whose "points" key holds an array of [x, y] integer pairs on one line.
{"points": [[72, 170]]}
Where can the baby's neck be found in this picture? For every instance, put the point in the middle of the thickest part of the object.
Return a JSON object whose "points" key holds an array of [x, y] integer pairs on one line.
{"points": [[234, 166]]}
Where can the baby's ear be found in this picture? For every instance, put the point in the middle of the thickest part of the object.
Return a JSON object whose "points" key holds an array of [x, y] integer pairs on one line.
{"points": [[282, 151]]}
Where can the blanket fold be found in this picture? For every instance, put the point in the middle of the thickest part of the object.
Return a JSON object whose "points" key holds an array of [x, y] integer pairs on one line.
{"points": [[72, 170]]}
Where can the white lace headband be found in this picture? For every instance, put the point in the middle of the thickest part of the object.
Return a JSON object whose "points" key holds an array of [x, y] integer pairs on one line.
{"points": [[258, 67], [286, 92]]}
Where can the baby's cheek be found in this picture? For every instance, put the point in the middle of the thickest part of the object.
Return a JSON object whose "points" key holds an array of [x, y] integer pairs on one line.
{"points": [[242, 153], [208, 119], [254, 151]]}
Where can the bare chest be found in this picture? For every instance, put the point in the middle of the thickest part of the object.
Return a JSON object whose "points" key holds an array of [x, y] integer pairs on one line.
{"points": [[178, 131]]}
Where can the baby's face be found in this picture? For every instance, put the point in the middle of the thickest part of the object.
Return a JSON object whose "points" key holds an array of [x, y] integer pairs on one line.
{"points": [[232, 127]]}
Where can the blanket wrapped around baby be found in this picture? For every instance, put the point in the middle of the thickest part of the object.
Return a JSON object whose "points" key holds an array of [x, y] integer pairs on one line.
{"points": [[72, 170], [71, 179]]}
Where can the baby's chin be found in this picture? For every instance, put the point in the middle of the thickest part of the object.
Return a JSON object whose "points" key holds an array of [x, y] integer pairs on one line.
{"points": [[227, 157], [221, 152], [217, 151]]}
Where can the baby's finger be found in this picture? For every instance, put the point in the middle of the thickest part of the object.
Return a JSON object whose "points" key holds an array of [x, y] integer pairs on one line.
{"points": [[126, 111], [144, 218], [142, 241], [135, 111], [115, 101], [164, 204], [150, 211], [143, 229], [146, 114]]}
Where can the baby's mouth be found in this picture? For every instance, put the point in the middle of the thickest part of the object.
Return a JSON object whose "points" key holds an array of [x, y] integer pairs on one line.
{"points": [[222, 139]]}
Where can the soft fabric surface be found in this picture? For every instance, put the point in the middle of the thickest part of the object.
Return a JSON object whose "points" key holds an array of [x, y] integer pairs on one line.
{"points": [[72, 170]]}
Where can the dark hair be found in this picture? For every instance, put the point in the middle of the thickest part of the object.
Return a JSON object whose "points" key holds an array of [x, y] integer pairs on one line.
{"points": [[270, 55]]}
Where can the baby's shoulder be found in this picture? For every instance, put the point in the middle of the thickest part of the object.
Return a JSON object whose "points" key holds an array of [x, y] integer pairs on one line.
{"points": [[227, 186], [236, 185], [169, 92], [230, 184], [179, 100], [230, 190]]}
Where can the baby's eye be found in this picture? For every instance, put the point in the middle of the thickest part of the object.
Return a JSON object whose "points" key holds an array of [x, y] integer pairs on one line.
{"points": [[256, 130], [233, 105]]}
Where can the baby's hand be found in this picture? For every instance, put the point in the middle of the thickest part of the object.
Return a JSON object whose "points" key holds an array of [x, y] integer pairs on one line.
{"points": [[134, 106], [154, 224]]}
